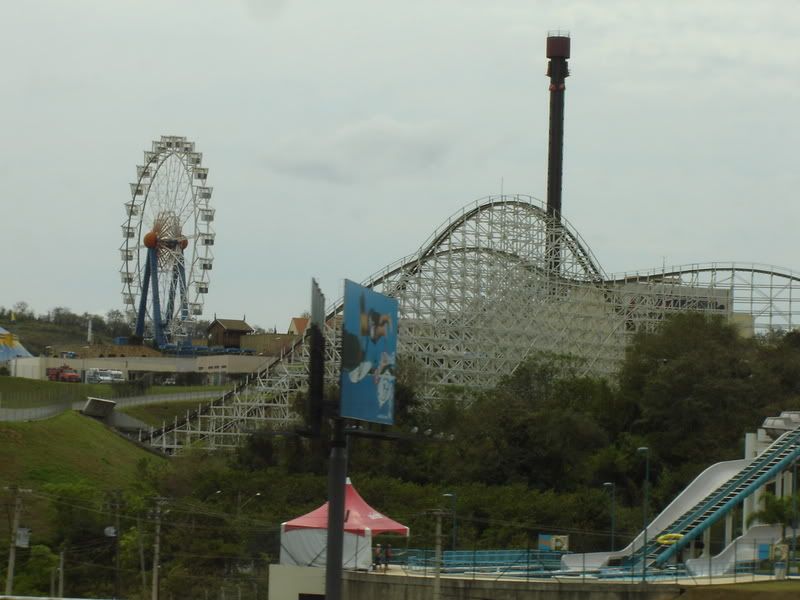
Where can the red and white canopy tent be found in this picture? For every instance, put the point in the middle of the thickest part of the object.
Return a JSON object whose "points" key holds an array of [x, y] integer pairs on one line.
{"points": [[304, 539]]}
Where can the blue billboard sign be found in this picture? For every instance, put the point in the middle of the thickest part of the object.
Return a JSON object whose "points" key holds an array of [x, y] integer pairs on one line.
{"points": [[369, 347]]}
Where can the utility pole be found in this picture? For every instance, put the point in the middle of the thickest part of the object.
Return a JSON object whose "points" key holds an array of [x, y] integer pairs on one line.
{"points": [[157, 549], [16, 494], [142, 567], [437, 576], [61, 574], [116, 542], [12, 550]]}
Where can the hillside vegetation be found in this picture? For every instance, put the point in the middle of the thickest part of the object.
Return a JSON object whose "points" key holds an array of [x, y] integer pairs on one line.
{"points": [[68, 448], [62, 452], [60, 327]]}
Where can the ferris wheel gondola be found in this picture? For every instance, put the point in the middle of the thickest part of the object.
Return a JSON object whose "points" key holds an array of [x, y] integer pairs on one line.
{"points": [[167, 244]]}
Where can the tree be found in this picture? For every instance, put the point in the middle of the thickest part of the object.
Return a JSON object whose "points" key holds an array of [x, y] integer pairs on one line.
{"points": [[774, 511], [22, 310], [33, 577], [692, 383]]}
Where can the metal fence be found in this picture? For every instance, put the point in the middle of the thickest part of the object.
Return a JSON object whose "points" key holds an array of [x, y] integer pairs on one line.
{"points": [[742, 561]]}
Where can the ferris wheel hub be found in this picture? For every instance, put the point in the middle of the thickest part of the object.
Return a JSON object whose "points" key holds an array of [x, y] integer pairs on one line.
{"points": [[150, 239]]}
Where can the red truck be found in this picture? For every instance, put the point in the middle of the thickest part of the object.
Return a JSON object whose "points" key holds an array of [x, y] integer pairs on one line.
{"points": [[63, 373]]}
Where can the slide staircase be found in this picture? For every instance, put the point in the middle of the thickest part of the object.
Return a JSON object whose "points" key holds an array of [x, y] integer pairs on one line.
{"points": [[694, 521]]}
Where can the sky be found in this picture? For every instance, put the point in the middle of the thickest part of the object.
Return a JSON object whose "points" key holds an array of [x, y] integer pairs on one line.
{"points": [[340, 135]]}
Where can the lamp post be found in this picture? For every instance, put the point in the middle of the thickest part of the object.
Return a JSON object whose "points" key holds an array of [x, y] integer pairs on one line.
{"points": [[453, 499], [646, 451], [241, 504], [794, 511], [610, 485]]}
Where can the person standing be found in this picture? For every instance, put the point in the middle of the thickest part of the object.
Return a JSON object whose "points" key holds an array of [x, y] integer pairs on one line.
{"points": [[387, 556], [377, 558]]}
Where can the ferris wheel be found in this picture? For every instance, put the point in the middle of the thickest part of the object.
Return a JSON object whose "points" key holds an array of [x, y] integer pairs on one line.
{"points": [[167, 242]]}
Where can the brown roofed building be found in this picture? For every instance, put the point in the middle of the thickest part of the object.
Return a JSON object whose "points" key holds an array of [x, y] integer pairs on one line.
{"points": [[297, 326], [227, 332]]}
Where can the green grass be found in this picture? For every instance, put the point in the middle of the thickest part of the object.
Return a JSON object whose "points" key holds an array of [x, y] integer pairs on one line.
{"points": [[68, 448], [157, 414], [162, 390], [19, 392]]}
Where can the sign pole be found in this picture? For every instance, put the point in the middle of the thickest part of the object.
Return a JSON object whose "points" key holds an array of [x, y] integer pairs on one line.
{"points": [[367, 376], [337, 474]]}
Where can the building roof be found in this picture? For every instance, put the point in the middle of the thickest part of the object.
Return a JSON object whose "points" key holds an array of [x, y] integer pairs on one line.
{"points": [[298, 325], [359, 518], [10, 346], [232, 325]]}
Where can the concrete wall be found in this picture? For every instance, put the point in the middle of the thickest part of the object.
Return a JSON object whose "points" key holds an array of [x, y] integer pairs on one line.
{"points": [[36, 367], [288, 582], [368, 586]]}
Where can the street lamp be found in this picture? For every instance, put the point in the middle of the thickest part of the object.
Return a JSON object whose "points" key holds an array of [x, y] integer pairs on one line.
{"points": [[246, 502], [239, 504], [610, 485], [453, 499], [646, 451]]}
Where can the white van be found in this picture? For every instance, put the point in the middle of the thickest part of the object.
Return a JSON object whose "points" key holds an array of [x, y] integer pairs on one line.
{"points": [[104, 376]]}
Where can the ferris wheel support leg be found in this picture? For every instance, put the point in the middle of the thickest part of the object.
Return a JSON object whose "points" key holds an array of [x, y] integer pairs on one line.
{"points": [[173, 283], [143, 300], [184, 292], [158, 330]]}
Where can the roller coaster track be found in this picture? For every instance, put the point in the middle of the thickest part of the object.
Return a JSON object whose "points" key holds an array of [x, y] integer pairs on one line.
{"points": [[482, 294]]}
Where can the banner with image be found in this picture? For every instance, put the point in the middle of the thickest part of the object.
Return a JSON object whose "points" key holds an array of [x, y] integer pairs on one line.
{"points": [[369, 347]]}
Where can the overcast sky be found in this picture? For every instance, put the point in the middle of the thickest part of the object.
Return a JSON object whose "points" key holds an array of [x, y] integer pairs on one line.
{"points": [[339, 135]]}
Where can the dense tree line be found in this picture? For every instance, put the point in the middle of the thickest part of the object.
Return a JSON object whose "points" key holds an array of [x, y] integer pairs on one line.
{"points": [[527, 457], [59, 323], [112, 324]]}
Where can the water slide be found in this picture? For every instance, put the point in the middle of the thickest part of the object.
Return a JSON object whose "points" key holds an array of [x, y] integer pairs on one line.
{"points": [[705, 483], [747, 548], [686, 518]]}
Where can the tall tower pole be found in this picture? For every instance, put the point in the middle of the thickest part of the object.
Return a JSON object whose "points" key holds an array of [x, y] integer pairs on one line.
{"points": [[558, 46]]}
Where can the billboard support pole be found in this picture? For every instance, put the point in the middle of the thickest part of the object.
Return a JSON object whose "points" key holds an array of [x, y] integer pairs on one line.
{"points": [[337, 475]]}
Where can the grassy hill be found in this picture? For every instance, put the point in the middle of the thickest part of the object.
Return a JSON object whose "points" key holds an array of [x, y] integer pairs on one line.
{"points": [[64, 449], [163, 412], [69, 448], [35, 335]]}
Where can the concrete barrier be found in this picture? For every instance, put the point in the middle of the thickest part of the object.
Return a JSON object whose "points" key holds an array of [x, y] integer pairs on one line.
{"points": [[368, 586]]}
